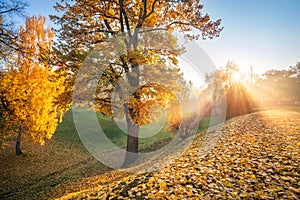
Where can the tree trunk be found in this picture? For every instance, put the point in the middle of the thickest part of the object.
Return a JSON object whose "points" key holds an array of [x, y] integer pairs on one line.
{"points": [[18, 144], [132, 145], [132, 128], [132, 140]]}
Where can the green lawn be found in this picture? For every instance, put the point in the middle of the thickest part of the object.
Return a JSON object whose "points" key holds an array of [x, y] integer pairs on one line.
{"points": [[67, 131]]}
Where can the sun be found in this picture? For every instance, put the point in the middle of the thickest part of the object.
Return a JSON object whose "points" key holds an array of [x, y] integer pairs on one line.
{"points": [[241, 78], [237, 77]]}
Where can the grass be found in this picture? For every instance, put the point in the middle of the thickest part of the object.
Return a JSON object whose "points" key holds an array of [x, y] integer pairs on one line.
{"points": [[113, 132], [67, 132]]}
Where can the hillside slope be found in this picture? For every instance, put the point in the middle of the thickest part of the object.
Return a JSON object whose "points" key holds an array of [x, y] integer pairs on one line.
{"points": [[258, 156]]}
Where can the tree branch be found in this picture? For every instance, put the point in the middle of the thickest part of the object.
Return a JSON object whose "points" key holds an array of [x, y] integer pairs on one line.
{"points": [[108, 27], [126, 19], [152, 9]]}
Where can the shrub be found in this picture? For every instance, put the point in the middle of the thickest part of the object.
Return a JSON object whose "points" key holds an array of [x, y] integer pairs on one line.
{"points": [[186, 125]]}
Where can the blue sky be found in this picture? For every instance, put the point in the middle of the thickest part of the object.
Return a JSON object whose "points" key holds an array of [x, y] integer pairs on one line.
{"points": [[262, 33]]}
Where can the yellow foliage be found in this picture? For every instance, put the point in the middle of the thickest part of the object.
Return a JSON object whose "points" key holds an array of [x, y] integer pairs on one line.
{"points": [[31, 88], [148, 102], [163, 186], [31, 98]]}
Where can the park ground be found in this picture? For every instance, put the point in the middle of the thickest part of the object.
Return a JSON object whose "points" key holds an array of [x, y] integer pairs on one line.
{"points": [[257, 156]]}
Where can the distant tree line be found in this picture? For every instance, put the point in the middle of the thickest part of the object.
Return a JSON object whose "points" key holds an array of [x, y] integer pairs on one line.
{"points": [[245, 93], [281, 86], [224, 82]]}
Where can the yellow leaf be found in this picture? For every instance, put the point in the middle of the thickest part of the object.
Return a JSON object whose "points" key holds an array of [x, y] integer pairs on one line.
{"points": [[163, 186]]}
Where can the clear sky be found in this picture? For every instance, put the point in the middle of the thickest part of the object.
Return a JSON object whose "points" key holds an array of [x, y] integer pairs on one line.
{"points": [[262, 33]]}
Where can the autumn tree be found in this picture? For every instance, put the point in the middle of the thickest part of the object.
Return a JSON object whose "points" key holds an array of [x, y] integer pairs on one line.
{"points": [[279, 85], [30, 89], [238, 99], [86, 24]]}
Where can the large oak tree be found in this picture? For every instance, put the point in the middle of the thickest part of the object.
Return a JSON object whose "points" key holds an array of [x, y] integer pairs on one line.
{"points": [[84, 24]]}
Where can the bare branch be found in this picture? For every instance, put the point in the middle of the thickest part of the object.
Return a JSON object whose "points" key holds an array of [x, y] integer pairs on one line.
{"points": [[125, 18]]}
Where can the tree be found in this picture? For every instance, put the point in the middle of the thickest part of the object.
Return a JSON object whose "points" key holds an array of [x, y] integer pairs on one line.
{"points": [[30, 90], [9, 36], [160, 83], [238, 99], [276, 85], [86, 24]]}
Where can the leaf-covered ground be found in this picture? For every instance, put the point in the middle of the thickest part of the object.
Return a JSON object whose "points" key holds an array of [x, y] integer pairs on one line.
{"points": [[52, 170], [257, 157]]}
